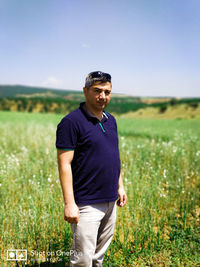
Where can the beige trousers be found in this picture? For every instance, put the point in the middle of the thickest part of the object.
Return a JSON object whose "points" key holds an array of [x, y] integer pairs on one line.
{"points": [[93, 234]]}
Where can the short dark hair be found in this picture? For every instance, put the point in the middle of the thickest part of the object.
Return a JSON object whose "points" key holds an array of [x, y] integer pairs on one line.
{"points": [[97, 76]]}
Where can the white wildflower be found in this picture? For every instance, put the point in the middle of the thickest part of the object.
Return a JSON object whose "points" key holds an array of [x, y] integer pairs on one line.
{"points": [[198, 153]]}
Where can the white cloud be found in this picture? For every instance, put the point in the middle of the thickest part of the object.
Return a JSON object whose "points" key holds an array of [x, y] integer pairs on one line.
{"points": [[52, 82], [84, 45]]}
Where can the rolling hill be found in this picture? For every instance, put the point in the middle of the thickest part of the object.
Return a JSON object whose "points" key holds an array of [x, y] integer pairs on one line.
{"points": [[39, 99]]}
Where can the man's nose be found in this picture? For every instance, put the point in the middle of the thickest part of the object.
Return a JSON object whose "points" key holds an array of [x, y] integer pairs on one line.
{"points": [[102, 94]]}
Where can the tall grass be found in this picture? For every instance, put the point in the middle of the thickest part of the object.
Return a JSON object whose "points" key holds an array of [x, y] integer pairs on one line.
{"points": [[160, 224]]}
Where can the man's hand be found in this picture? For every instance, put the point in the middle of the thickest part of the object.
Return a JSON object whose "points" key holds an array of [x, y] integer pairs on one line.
{"points": [[71, 213], [122, 197]]}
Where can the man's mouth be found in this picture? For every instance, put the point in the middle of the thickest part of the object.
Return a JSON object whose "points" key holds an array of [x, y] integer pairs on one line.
{"points": [[101, 103]]}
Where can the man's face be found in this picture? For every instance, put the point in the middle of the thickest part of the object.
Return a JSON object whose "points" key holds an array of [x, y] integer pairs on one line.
{"points": [[98, 95]]}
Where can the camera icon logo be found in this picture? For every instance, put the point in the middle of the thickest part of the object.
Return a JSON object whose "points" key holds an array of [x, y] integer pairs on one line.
{"points": [[16, 254]]}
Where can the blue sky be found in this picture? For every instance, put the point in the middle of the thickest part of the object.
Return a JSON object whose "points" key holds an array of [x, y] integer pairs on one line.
{"points": [[150, 47]]}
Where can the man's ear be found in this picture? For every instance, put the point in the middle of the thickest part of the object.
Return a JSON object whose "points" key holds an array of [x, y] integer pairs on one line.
{"points": [[85, 91]]}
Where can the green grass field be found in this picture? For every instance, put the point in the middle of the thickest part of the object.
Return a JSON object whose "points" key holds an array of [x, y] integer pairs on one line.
{"points": [[159, 226]]}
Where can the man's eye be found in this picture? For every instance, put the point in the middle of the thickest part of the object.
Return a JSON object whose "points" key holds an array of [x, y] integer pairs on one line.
{"points": [[107, 92]]}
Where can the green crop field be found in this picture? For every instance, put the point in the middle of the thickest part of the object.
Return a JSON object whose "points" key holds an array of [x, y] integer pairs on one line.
{"points": [[159, 226]]}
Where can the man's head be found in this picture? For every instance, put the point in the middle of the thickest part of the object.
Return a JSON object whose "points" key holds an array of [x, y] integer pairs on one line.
{"points": [[97, 90], [97, 76]]}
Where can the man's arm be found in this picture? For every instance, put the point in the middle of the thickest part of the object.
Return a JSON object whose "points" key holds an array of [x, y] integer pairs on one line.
{"points": [[121, 192], [71, 210]]}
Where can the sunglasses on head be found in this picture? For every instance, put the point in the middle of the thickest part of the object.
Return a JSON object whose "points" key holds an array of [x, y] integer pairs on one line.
{"points": [[99, 74]]}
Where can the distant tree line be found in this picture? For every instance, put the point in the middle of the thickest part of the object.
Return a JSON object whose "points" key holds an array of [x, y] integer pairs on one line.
{"points": [[118, 105]]}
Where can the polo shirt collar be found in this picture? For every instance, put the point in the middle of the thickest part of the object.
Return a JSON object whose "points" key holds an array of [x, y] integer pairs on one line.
{"points": [[89, 116]]}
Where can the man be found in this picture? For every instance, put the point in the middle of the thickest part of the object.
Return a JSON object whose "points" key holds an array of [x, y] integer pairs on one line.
{"points": [[89, 170]]}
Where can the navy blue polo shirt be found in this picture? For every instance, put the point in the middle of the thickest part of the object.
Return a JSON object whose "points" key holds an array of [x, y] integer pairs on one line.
{"points": [[96, 162]]}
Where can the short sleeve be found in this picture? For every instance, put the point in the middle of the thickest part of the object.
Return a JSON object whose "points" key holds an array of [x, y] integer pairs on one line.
{"points": [[66, 135]]}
